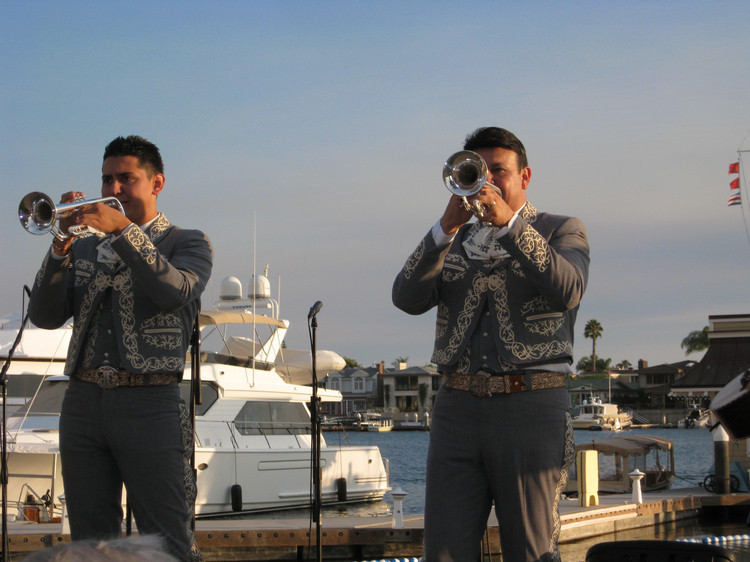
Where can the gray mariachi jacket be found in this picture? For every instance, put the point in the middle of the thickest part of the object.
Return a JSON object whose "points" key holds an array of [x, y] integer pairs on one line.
{"points": [[156, 278], [532, 296]]}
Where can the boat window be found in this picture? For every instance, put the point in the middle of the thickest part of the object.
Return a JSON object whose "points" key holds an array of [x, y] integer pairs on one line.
{"points": [[23, 386], [48, 401], [209, 395], [272, 418]]}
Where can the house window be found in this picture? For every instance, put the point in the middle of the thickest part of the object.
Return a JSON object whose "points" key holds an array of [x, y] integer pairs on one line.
{"points": [[335, 383], [407, 383], [359, 384]]}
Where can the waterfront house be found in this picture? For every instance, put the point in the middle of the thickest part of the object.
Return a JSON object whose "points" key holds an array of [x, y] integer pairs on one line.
{"points": [[409, 389], [727, 356], [359, 391]]}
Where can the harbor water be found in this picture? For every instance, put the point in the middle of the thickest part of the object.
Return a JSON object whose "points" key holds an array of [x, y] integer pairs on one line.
{"points": [[406, 452]]}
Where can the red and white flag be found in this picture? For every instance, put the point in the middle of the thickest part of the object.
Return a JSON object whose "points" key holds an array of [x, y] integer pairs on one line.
{"points": [[734, 168]]}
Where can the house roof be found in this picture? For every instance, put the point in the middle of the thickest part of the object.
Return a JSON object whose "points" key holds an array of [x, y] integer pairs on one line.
{"points": [[726, 358], [409, 371], [676, 368]]}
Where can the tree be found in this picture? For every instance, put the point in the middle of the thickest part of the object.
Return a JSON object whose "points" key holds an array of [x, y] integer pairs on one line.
{"points": [[594, 331], [350, 362], [624, 365], [424, 389], [697, 340], [586, 364], [399, 360]]}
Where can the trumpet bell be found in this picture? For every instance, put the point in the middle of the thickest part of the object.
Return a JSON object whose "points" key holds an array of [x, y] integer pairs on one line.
{"points": [[36, 211], [465, 173]]}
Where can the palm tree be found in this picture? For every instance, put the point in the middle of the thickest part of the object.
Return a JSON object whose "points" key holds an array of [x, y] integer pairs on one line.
{"points": [[586, 365], [594, 331], [697, 340]]}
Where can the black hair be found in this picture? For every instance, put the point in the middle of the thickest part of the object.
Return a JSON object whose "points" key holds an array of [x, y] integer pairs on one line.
{"points": [[147, 153], [495, 137]]}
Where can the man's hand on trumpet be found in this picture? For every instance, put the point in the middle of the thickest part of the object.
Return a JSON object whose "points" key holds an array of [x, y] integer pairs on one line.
{"points": [[487, 205], [103, 218], [62, 247]]}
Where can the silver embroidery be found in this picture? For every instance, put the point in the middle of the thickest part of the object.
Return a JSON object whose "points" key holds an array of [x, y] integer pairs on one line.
{"points": [[158, 228], [83, 271], [454, 268], [140, 242], [568, 459], [544, 322], [191, 490], [411, 263], [535, 247], [163, 331], [463, 322]]}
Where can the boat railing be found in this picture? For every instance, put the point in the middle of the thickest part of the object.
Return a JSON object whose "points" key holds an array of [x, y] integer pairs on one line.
{"points": [[209, 357], [271, 428], [212, 433]]}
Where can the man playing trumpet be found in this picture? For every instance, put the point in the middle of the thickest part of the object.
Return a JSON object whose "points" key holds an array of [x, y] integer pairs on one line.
{"points": [[133, 293], [507, 289]]}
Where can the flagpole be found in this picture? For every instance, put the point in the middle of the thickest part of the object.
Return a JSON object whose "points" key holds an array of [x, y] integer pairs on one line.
{"points": [[740, 176]]}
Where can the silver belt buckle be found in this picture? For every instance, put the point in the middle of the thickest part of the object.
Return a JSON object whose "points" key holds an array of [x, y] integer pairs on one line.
{"points": [[479, 384], [106, 377]]}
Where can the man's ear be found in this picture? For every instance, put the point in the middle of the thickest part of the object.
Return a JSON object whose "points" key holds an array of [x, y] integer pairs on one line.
{"points": [[158, 183], [525, 177]]}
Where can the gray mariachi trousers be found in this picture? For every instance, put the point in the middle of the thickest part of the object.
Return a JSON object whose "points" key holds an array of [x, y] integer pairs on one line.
{"points": [[138, 436], [513, 449]]}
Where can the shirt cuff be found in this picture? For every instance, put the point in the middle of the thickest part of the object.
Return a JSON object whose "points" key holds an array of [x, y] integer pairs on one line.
{"points": [[440, 237]]}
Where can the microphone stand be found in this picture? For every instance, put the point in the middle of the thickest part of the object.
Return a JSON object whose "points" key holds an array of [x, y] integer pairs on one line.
{"points": [[196, 398], [4, 452], [315, 433]]}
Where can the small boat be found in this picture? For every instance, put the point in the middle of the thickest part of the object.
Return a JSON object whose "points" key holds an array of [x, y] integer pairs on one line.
{"points": [[622, 454], [696, 417], [376, 423], [409, 424], [253, 437], [361, 421], [598, 416]]}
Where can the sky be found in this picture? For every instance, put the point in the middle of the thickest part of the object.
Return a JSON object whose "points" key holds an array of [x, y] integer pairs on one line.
{"points": [[310, 137]]}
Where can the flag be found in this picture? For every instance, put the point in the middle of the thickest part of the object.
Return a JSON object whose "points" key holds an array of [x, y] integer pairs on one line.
{"points": [[734, 200], [734, 168], [735, 183]]}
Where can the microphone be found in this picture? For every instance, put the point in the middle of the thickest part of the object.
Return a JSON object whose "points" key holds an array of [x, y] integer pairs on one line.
{"points": [[315, 309]]}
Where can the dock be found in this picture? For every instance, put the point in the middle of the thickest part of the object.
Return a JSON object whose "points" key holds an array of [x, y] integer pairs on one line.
{"points": [[375, 538]]}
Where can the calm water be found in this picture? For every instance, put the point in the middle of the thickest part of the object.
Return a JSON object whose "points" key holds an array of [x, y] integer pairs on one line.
{"points": [[407, 453]]}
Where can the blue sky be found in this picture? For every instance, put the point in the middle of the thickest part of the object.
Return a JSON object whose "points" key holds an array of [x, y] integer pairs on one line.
{"points": [[310, 136]]}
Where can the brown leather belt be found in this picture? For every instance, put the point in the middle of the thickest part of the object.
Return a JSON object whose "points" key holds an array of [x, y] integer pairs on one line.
{"points": [[484, 384], [108, 377]]}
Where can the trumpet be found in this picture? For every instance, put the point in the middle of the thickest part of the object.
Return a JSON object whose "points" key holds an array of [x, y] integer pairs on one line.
{"points": [[39, 215], [465, 174]]}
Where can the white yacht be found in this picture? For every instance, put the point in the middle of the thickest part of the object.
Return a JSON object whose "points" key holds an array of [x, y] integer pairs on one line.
{"points": [[596, 415], [253, 434]]}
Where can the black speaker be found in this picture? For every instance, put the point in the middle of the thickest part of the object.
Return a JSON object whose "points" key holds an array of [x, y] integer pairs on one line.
{"points": [[657, 551]]}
